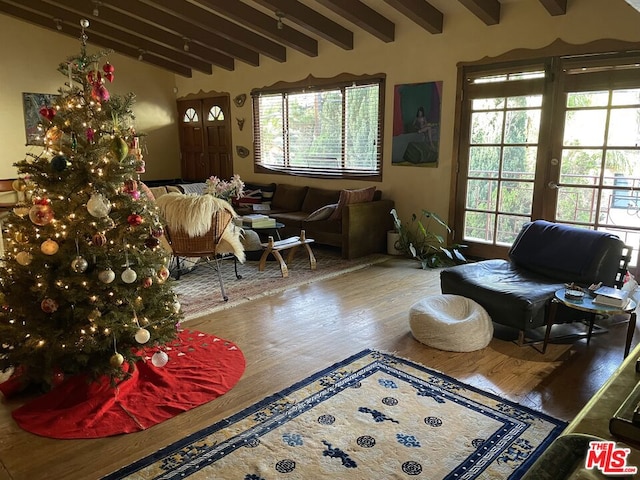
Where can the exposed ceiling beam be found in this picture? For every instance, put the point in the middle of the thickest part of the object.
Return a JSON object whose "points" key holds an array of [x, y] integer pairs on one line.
{"points": [[123, 22], [125, 38], [212, 23], [555, 7], [634, 3], [263, 24], [486, 10], [311, 20], [160, 20], [34, 17], [421, 12], [364, 17]]}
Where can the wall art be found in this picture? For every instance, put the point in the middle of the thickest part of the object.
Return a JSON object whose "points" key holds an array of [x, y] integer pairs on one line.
{"points": [[32, 103], [416, 124]]}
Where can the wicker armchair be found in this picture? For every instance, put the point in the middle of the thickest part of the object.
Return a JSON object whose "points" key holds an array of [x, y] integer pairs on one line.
{"points": [[200, 229]]}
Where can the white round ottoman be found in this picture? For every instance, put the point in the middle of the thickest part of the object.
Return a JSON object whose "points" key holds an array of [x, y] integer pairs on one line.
{"points": [[451, 322]]}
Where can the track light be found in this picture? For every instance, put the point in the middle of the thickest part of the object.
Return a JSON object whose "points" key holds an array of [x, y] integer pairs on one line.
{"points": [[58, 23], [186, 44], [279, 23], [141, 56], [96, 4]]}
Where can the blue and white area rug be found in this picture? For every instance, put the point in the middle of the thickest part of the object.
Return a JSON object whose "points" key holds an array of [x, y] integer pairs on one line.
{"points": [[371, 416]]}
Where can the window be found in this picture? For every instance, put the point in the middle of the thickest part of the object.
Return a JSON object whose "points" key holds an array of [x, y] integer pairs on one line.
{"points": [[556, 138], [190, 116], [215, 114], [330, 130]]}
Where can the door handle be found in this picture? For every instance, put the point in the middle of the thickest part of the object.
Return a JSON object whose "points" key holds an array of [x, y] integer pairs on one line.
{"points": [[553, 185]]}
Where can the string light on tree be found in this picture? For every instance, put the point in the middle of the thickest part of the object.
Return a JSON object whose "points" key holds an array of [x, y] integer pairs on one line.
{"points": [[81, 215]]}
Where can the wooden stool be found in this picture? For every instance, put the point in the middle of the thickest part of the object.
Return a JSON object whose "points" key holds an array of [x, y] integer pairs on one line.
{"points": [[291, 244]]}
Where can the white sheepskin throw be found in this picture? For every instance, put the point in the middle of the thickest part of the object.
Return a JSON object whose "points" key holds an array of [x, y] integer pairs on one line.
{"points": [[193, 214]]}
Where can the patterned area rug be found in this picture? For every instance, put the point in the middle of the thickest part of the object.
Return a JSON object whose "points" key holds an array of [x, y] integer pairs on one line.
{"points": [[373, 415], [199, 290]]}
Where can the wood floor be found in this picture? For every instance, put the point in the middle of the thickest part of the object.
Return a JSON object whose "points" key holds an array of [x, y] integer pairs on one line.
{"points": [[288, 336]]}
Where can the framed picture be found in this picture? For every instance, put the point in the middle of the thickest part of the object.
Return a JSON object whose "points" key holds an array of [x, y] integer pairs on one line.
{"points": [[416, 124], [31, 103]]}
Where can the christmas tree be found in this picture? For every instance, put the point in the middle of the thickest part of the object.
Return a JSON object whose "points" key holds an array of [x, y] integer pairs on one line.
{"points": [[84, 284]]}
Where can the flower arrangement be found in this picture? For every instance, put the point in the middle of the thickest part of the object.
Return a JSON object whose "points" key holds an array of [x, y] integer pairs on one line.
{"points": [[225, 189]]}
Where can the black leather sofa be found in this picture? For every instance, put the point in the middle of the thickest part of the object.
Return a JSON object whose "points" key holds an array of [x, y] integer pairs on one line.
{"points": [[516, 292]]}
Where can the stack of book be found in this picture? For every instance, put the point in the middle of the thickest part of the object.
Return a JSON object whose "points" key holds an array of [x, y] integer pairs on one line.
{"points": [[257, 220], [612, 297]]}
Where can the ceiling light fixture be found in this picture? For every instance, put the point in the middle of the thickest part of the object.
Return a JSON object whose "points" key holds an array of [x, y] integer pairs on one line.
{"points": [[58, 23], [186, 44], [141, 56], [279, 23], [96, 4]]}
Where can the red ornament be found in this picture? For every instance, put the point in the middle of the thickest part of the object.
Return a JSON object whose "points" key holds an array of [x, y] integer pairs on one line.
{"points": [[47, 112], [49, 305], [157, 232], [57, 378], [130, 185], [90, 135], [108, 68], [134, 219], [109, 76], [42, 201], [135, 194], [147, 282], [99, 240]]}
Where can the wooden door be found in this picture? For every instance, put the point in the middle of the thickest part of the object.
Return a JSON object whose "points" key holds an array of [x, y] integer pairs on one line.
{"points": [[217, 131], [205, 138]]}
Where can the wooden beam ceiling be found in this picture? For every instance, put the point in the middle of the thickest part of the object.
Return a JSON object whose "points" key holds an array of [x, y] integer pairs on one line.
{"points": [[486, 10], [183, 36]]}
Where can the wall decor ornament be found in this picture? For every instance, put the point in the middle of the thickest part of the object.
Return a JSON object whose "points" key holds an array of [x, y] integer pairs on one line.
{"points": [[242, 152], [240, 99], [240, 123], [416, 124]]}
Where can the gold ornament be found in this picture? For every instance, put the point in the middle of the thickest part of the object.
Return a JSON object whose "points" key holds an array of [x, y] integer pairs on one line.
{"points": [[119, 148], [19, 185], [49, 247], [24, 258], [116, 360]]}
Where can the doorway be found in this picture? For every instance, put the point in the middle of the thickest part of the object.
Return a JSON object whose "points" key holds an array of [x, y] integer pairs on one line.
{"points": [[205, 138]]}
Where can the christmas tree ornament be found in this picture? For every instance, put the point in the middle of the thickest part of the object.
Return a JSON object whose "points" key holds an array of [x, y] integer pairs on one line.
{"points": [[116, 360], [159, 359], [53, 135], [57, 378], [19, 185], [107, 223], [175, 306], [134, 220], [152, 242], [41, 214], [129, 275], [24, 258], [108, 70], [20, 237], [49, 247], [99, 240], [142, 335], [48, 305], [79, 264], [59, 163], [106, 276], [21, 211], [147, 282], [90, 135], [74, 141], [141, 166], [47, 112], [119, 148], [135, 194], [98, 206], [157, 232], [163, 273], [130, 185]]}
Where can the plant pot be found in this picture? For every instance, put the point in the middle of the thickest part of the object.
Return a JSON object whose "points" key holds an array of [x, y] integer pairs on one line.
{"points": [[392, 238]]}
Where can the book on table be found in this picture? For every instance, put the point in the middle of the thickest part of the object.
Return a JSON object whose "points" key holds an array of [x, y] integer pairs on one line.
{"points": [[612, 297], [258, 220]]}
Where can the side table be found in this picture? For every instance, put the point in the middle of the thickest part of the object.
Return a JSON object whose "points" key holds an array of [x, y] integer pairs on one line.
{"points": [[586, 304]]}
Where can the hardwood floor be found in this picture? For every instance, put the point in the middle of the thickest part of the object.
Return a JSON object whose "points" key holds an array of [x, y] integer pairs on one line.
{"points": [[290, 335]]}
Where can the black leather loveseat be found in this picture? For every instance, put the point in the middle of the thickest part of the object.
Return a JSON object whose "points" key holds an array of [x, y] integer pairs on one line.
{"points": [[544, 256]]}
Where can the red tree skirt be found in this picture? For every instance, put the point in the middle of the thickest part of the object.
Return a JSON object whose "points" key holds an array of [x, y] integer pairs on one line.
{"points": [[201, 367]]}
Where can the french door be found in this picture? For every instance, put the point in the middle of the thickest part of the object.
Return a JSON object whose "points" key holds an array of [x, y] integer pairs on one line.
{"points": [[205, 138], [559, 140]]}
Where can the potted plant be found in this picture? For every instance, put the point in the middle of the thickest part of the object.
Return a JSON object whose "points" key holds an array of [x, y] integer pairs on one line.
{"points": [[418, 241]]}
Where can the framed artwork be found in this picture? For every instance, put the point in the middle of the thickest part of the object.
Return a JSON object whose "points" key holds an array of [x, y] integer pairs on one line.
{"points": [[31, 103], [416, 124]]}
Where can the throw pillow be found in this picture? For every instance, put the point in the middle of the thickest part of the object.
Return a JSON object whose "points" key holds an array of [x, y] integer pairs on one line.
{"points": [[347, 197], [322, 213]]}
